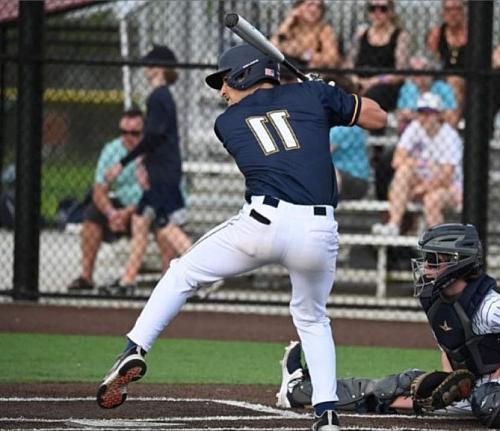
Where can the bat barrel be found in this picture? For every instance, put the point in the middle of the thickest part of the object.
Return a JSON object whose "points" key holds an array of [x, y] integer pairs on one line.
{"points": [[231, 20]]}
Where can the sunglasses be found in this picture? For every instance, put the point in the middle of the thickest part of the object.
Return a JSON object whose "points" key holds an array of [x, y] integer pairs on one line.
{"points": [[134, 133], [380, 7]]}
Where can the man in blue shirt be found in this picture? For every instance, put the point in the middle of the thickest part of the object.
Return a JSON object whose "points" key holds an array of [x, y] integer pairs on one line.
{"points": [[112, 205], [279, 138]]}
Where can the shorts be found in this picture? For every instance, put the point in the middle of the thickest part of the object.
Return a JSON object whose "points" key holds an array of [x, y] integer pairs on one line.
{"points": [[352, 187], [163, 204], [95, 215]]}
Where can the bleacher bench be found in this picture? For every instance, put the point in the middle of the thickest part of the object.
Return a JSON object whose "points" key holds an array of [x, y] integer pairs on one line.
{"points": [[381, 243]]}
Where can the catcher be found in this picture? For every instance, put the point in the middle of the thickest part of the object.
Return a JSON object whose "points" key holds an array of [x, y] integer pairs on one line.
{"points": [[462, 304]]}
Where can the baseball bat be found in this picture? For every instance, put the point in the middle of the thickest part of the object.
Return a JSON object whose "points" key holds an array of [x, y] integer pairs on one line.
{"points": [[254, 37]]}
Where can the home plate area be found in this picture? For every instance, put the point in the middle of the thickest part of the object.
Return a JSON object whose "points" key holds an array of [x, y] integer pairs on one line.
{"points": [[191, 414]]}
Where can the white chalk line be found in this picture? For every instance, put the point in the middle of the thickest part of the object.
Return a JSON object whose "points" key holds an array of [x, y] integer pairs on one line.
{"points": [[272, 414], [244, 404], [354, 428], [157, 423]]}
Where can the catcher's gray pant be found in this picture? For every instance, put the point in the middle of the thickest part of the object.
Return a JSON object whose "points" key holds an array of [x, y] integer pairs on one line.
{"points": [[302, 238], [360, 394]]}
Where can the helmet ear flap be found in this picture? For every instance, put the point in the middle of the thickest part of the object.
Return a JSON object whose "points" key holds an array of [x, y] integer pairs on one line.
{"points": [[239, 79]]}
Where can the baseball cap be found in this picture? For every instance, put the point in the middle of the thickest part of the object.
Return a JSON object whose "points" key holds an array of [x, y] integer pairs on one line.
{"points": [[159, 55], [429, 102]]}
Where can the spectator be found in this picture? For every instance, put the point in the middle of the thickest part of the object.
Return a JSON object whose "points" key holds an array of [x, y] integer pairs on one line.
{"points": [[162, 201], [305, 37], [428, 165], [108, 217], [495, 83], [415, 86], [383, 45], [448, 43], [348, 147]]}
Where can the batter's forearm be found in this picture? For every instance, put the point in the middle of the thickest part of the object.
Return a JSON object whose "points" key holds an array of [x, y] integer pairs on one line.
{"points": [[372, 116]]}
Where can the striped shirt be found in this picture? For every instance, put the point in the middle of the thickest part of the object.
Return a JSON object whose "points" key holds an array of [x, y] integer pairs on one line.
{"points": [[487, 317]]}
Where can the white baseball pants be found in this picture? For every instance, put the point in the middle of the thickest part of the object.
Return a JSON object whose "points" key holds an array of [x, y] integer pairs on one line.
{"points": [[302, 238]]}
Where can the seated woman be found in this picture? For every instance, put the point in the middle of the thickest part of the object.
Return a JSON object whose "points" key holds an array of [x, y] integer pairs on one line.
{"points": [[305, 36], [383, 45], [448, 43]]}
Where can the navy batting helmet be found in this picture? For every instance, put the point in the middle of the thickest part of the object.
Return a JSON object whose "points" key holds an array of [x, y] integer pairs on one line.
{"points": [[244, 66], [450, 251]]}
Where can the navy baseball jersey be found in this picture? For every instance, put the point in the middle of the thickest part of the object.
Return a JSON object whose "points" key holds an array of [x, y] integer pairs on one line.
{"points": [[279, 139], [161, 141]]}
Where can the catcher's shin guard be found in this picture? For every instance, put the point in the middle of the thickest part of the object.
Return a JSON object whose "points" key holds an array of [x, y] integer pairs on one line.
{"points": [[369, 395], [356, 394], [391, 387], [301, 392]]}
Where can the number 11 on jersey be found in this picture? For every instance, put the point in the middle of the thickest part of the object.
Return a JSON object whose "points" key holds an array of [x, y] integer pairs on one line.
{"points": [[279, 119]]}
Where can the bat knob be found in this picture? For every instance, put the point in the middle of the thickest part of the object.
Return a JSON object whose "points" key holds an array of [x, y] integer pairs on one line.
{"points": [[231, 19]]}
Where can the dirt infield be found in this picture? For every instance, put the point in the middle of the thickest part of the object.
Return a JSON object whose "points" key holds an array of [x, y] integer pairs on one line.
{"points": [[190, 407]]}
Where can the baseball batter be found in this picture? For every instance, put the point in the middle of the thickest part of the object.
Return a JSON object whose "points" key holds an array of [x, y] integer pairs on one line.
{"points": [[279, 138]]}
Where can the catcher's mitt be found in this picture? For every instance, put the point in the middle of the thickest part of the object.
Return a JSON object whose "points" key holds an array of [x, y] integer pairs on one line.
{"points": [[438, 389]]}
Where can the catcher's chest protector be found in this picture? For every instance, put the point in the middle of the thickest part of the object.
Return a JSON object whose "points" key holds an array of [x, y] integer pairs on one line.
{"points": [[451, 323]]}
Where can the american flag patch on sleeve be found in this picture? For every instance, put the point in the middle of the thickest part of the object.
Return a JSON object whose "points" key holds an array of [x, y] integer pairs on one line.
{"points": [[269, 72]]}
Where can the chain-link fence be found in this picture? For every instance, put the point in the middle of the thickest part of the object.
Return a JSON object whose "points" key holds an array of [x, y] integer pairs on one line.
{"points": [[409, 55]]}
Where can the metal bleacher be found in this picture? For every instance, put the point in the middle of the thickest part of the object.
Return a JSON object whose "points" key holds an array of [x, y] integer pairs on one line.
{"points": [[374, 262], [216, 192], [371, 265]]}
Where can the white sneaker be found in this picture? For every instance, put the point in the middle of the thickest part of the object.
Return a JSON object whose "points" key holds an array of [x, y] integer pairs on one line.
{"points": [[387, 229], [291, 374]]}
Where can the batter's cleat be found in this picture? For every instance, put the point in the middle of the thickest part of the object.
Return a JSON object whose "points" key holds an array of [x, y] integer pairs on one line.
{"points": [[129, 367], [291, 375], [328, 421]]}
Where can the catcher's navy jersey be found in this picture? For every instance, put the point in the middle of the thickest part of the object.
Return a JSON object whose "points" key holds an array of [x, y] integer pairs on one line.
{"points": [[279, 139]]}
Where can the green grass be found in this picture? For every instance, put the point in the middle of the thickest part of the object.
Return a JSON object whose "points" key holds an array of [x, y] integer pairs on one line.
{"points": [[63, 180], [75, 358]]}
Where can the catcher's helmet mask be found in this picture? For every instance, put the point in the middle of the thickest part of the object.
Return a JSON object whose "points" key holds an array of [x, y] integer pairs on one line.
{"points": [[243, 66], [449, 252]]}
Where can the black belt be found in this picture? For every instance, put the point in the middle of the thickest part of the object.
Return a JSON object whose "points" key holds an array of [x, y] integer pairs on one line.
{"points": [[273, 202]]}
